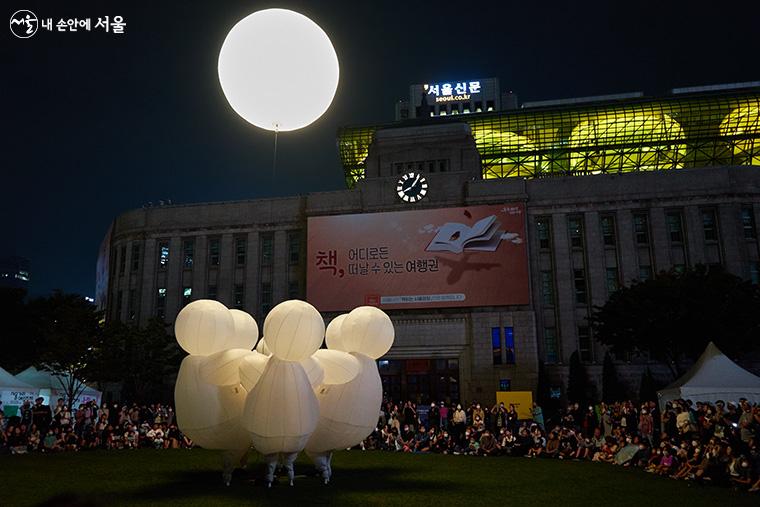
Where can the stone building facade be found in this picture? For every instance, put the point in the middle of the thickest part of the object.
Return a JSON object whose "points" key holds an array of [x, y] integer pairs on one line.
{"points": [[587, 235]]}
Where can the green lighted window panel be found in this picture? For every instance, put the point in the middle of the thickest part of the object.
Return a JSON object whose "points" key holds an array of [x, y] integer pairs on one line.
{"points": [[617, 137]]}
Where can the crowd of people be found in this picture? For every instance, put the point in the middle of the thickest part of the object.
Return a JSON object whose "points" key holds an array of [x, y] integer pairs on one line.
{"points": [[717, 443], [704, 442], [40, 428]]}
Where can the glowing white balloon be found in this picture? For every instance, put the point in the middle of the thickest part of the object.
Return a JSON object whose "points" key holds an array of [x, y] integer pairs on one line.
{"points": [[367, 330], [223, 368], [332, 333], [208, 414], [204, 327], [278, 69], [246, 331], [337, 367], [293, 330], [252, 368]]}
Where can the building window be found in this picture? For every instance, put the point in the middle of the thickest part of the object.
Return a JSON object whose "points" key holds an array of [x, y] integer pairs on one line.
{"points": [[608, 230], [748, 223], [575, 229], [163, 254], [443, 166], [584, 344], [187, 295], [547, 288], [543, 232], [267, 247], [613, 281], [188, 249], [675, 226], [213, 251], [496, 345], [123, 260], [641, 228], [679, 268], [710, 225], [266, 297], [238, 296], [161, 303], [579, 277], [509, 345], [645, 273], [754, 272], [294, 247], [132, 304], [211, 292], [135, 257], [294, 290], [240, 251], [550, 345]]}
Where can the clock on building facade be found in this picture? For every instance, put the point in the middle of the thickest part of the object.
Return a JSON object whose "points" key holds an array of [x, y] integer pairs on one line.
{"points": [[411, 187]]}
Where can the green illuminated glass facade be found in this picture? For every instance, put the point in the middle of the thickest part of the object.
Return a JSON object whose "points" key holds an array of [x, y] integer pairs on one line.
{"points": [[675, 132]]}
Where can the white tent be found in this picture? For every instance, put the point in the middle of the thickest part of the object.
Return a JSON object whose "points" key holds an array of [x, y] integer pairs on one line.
{"points": [[51, 387], [13, 392], [713, 377]]}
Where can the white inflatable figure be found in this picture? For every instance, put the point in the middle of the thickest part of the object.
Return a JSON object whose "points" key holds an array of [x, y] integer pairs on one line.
{"points": [[281, 410], [208, 396], [348, 412]]}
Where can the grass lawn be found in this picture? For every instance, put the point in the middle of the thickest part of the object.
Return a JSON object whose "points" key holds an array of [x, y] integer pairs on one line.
{"points": [[193, 477]]}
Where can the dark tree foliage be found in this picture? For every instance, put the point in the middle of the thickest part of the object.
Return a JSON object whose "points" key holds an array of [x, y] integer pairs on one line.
{"points": [[65, 328], [649, 387], [139, 358], [612, 389], [673, 316], [577, 382], [16, 340]]}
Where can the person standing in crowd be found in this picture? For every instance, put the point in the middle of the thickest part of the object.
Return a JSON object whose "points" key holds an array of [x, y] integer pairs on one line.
{"points": [[538, 415], [646, 426], [434, 417], [41, 415], [443, 413], [459, 420]]}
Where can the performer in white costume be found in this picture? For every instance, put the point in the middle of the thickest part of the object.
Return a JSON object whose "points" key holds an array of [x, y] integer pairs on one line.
{"points": [[209, 408], [349, 412]]}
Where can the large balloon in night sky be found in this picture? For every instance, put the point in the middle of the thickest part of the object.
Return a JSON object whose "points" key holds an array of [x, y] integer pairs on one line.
{"points": [[278, 69]]}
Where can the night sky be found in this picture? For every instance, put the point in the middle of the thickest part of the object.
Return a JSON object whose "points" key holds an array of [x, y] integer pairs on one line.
{"points": [[96, 124]]}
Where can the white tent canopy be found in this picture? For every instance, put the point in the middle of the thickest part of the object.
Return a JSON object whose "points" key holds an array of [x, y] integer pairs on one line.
{"points": [[713, 377], [51, 387], [13, 392]]}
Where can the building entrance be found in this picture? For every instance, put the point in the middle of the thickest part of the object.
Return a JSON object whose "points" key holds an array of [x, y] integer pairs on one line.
{"points": [[420, 380]]}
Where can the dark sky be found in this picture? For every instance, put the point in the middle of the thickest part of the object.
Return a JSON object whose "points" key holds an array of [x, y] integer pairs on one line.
{"points": [[95, 124]]}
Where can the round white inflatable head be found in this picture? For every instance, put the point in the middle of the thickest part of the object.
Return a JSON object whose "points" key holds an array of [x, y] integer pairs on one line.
{"points": [[204, 327], [332, 333], [252, 368], [367, 330], [262, 348], [246, 331], [293, 330]]}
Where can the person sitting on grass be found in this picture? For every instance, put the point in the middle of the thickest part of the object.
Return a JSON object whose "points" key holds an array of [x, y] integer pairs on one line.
{"points": [[156, 436], [552, 446], [71, 443], [472, 447], [488, 446], [421, 440], [538, 445], [667, 463], [18, 443]]}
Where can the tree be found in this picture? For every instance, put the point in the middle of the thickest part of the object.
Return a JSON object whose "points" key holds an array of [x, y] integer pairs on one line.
{"points": [[16, 339], [612, 389], [577, 382], [67, 327], [648, 389], [674, 316], [139, 358]]}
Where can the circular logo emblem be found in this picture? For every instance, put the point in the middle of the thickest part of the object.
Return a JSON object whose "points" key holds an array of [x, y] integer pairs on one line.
{"points": [[24, 24]]}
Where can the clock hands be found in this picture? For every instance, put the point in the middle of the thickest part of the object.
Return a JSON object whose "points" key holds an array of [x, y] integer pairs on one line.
{"points": [[405, 189]]}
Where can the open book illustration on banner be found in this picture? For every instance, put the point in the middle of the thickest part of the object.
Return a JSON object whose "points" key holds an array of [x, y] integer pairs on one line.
{"points": [[483, 236]]}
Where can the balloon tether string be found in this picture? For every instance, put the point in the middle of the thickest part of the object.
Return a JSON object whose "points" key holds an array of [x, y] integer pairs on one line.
{"points": [[274, 158]]}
